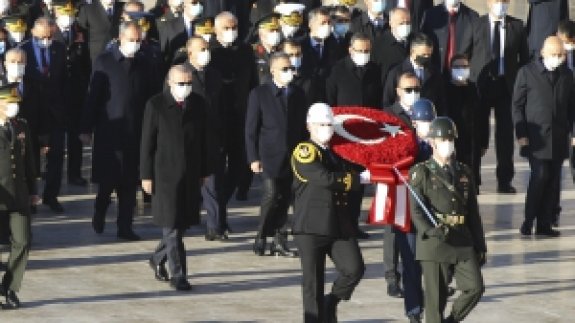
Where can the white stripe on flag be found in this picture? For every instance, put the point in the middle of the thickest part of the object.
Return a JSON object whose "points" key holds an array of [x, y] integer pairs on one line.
{"points": [[400, 205], [380, 199]]}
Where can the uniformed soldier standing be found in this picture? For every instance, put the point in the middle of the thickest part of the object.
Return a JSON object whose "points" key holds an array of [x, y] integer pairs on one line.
{"points": [[446, 190], [17, 190], [269, 37], [323, 224]]}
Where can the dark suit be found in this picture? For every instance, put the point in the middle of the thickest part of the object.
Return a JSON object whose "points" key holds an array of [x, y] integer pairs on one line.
{"points": [[362, 23], [316, 67], [542, 21], [94, 19], [495, 90], [173, 155], [351, 85], [275, 123], [417, 9], [324, 226], [387, 52], [436, 24], [114, 108], [17, 182], [431, 86], [45, 87], [173, 36], [543, 113]]}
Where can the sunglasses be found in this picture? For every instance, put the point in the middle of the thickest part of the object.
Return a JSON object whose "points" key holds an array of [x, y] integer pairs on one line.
{"points": [[183, 83], [411, 89], [287, 68]]}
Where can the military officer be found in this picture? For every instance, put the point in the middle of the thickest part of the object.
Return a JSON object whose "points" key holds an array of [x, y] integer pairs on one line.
{"points": [[323, 224], [17, 190], [16, 27], [291, 20], [269, 36], [457, 242]]}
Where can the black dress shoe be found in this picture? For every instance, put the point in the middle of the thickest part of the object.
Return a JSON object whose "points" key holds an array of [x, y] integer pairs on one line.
{"points": [[180, 284], [212, 235], [414, 318], [241, 196], [394, 290], [279, 246], [160, 272], [98, 222], [259, 246], [330, 302], [77, 181], [525, 230], [506, 189], [362, 235], [550, 233], [128, 235], [54, 205], [147, 198], [12, 302]]}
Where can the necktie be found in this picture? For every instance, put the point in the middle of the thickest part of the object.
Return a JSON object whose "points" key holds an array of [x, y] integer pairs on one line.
{"points": [[285, 94], [553, 76], [419, 73], [110, 13], [318, 49], [570, 59], [450, 40], [496, 48], [45, 66]]}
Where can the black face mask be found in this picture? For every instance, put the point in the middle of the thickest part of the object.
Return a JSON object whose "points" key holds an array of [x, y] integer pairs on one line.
{"points": [[422, 60]]}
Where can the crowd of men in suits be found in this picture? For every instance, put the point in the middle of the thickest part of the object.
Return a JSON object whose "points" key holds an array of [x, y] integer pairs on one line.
{"points": [[193, 98]]}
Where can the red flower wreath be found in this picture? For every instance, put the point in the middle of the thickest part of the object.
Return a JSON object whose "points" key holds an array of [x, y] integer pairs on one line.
{"points": [[367, 136]]}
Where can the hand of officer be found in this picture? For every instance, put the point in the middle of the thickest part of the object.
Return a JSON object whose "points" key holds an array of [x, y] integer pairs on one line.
{"points": [[147, 185], [481, 258], [86, 138], [438, 232], [44, 150], [256, 167], [365, 177]]}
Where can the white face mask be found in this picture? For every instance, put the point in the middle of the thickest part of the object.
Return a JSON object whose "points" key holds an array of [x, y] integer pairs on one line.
{"points": [[286, 77], [295, 61], [360, 59], [402, 31], [12, 110], [17, 36], [204, 58], [340, 29], [180, 92], [377, 6], [499, 9], [422, 128], [460, 74], [323, 134], [551, 63], [409, 98], [569, 46], [229, 36], [289, 31], [207, 37], [15, 71], [129, 49], [445, 148], [64, 22], [273, 38], [452, 3], [195, 10], [323, 31]]}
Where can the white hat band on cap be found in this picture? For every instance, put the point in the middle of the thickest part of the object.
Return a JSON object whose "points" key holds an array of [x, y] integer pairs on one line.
{"points": [[319, 113]]}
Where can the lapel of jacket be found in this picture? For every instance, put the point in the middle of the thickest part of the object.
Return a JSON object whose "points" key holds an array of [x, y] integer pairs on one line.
{"points": [[485, 29]]}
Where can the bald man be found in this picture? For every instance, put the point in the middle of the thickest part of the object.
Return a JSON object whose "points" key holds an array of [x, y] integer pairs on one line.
{"points": [[542, 108]]}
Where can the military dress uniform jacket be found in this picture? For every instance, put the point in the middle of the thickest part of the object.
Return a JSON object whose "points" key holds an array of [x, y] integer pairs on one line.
{"points": [[322, 181], [444, 200], [17, 168]]}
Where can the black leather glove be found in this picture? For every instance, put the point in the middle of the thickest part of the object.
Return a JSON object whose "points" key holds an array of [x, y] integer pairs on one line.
{"points": [[524, 151]]}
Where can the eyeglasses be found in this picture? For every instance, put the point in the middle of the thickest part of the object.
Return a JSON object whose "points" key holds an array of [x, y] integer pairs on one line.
{"points": [[183, 83], [364, 51], [411, 89], [287, 68]]}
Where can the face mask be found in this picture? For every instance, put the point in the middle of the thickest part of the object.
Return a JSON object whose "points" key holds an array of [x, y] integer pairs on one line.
{"points": [[323, 134], [402, 31], [295, 61], [273, 38], [48, 2], [64, 22], [445, 148], [460, 74], [341, 29], [195, 10], [360, 59], [229, 36], [551, 63], [422, 60], [409, 98], [11, 110], [569, 47], [422, 128], [499, 9], [207, 37], [180, 92], [323, 32], [204, 58], [107, 3], [286, 77], [289, 31], [2, 47], [452, 3], [17, 36], [15, 71], [44, 43], [377, 6], [129, 49]]}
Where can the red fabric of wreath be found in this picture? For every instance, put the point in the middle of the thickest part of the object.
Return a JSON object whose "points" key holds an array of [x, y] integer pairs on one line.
{"points": [[390, 151]]}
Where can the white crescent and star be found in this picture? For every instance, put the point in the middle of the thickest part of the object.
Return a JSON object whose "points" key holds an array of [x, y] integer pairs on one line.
{"points": [[340, 119]]}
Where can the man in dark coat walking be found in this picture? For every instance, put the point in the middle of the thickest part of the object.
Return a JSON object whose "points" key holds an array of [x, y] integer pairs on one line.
{"points": [[100, 19], [122, 81], [173, 163]]}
